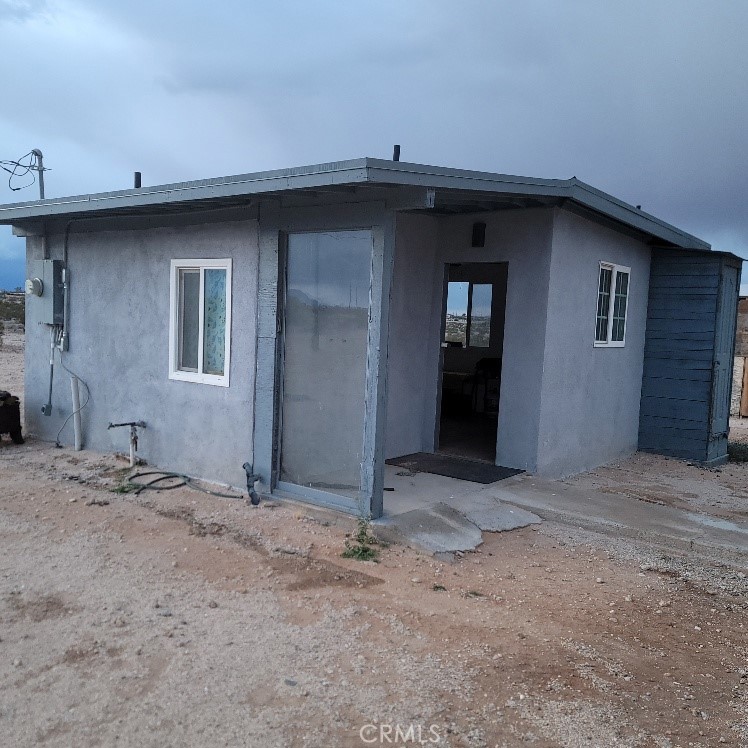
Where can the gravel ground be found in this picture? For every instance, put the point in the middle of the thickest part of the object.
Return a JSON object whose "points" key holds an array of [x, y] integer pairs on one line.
{"points": [[180, 619]]}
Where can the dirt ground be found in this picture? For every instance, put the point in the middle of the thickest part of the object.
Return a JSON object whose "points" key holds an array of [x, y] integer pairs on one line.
{"points": [[180, 619]]}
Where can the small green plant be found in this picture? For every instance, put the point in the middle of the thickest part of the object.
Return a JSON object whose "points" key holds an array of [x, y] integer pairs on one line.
{"points": [[361, 546], [439, 588]]}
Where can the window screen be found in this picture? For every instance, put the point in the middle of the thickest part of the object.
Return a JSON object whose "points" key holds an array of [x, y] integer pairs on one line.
{"points": [[214, 321], [603, 304], [189, 318], [619, 306]]}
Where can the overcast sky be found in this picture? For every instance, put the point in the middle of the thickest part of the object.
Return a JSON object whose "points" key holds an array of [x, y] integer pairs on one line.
{"points": [[645, 99]]}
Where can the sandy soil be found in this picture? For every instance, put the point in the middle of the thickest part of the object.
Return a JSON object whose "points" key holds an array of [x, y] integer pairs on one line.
{"points": [[180, 619]]}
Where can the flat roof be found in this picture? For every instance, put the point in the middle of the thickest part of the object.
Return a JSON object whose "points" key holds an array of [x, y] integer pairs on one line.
{"points": [[461, 188]]}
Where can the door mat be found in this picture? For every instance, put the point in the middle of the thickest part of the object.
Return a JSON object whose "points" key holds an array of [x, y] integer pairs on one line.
{"points": [[454, 467]]}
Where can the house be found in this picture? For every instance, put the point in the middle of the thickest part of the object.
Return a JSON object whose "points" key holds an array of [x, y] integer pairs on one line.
{"points": [[316, 321]]}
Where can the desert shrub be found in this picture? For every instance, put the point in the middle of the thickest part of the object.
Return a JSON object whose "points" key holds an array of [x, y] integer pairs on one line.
{"points": [[738, 452], [12, 309]]}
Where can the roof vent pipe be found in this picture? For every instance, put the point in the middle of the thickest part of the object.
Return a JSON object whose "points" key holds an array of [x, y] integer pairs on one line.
{"points": [[396, 153], [138, 177]]}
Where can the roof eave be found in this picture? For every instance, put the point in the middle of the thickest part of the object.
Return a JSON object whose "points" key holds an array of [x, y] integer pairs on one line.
{"points": [[564, 189], [238, 186], [352, 172], [599, 201]]}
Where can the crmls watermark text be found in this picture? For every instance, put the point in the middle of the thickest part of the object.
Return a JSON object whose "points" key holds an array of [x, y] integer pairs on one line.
{"points": [[384, 734]]}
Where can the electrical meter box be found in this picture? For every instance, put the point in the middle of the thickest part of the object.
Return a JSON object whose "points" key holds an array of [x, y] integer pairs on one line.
{"points": [[45, 291]]}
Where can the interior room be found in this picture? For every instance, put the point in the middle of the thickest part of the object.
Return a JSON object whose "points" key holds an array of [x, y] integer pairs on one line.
{"points": [[473, 336]]}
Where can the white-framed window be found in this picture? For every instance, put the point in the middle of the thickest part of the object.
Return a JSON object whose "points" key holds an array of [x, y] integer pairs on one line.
{"points": [[200, 321], [612, 305]]}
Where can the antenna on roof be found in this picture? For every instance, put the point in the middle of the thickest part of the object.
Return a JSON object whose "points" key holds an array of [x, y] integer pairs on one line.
{"points": [[396, 153], [39, 168], [17, 169]]}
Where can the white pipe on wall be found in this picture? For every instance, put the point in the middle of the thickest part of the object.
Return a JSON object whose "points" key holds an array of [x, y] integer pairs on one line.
{"points": [[76, 412]]}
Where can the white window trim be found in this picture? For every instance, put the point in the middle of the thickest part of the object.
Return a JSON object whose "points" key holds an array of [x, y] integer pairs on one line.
{"points": [[174, 371], [608, 343]]}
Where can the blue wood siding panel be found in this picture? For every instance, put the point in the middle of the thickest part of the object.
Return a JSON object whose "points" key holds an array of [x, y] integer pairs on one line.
{"points": [[724, 352], [690, 314]]}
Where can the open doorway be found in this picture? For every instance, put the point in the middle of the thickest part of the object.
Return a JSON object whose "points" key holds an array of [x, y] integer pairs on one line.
{"points": [[473, 339]]}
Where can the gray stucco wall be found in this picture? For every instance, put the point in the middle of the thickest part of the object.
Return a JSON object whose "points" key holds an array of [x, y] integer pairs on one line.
{"points": [[564, 405], [520, 238], [119, 329], [413, 356], [590, 396]]}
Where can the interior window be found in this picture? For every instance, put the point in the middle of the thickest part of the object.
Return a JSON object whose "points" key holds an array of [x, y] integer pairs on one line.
{"points": [[468, 322], [480, 315], [455, 330]]}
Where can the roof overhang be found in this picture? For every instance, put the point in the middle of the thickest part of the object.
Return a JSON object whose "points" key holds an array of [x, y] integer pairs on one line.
{"points": [[448, 191]]}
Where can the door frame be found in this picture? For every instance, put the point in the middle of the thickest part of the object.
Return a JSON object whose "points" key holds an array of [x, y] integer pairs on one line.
{"points": [[274, 225], [447, 264], [442, 347]]}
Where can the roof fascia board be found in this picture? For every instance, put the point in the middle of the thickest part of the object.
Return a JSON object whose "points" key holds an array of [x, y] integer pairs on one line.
{"points": [[713, 253], [623, 212], [138, 221], [571, 189], [358, 171], [323, 175], [398, 172], [604, 219]]}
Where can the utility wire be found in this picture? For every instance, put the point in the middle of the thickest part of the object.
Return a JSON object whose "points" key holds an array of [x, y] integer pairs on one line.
{"points": [[17, 169], [80, 408]]}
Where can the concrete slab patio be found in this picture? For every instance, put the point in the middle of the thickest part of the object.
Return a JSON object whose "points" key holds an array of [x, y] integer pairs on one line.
{"points": [[419, 500], [441, 528], [629, 517]]}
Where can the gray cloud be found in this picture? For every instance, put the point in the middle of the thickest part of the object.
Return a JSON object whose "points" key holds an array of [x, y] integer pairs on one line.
{"points": [[645, 100]]}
